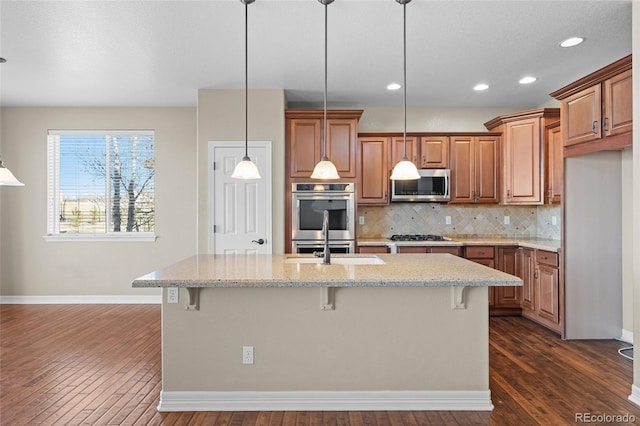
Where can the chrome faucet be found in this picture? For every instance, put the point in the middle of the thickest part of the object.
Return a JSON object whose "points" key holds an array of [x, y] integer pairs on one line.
{"points": [[326, 254]]}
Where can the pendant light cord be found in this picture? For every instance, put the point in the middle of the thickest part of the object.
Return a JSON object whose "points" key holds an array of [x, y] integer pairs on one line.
{"points": [[246, 80], [404, 73], [324, 134]]}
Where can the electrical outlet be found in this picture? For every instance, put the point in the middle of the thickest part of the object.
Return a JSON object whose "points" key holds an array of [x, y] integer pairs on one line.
{"points": [[447, 220], [507, 220], [554, 220], [173, 295], [361, 220], [247, 354]]}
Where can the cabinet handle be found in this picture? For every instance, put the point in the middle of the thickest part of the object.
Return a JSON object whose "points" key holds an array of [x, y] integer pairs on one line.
{"points": [[593, 126]]}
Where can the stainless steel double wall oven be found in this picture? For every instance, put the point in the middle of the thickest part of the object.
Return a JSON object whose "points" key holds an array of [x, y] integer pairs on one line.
{"points": [[309, 200]]}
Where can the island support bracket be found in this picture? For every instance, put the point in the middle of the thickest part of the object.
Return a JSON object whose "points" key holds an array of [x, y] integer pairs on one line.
{"points": [[458, 297], [193, 302], [327, 299]]}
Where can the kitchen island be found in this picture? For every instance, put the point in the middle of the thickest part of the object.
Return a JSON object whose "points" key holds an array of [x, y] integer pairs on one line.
{"points": [[363, 333]]}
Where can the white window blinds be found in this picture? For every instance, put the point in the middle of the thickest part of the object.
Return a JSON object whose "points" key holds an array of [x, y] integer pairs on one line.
{"points": [[101, 183]]}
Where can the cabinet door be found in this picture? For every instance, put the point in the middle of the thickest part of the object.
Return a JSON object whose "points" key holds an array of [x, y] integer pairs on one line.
{"points": [[522, 166], [486, 169], [507, 296], [434, 152], [463, 169], [397, 150], [581, 116], [618, 105], [554, 165], [373, 182], [341, 145], [548, 293], [527, 268], [413, 249], [305, 144]]}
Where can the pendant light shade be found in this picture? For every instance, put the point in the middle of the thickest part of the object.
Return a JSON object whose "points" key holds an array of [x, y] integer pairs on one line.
{"points": [[325, 169], [405, 169], [7, 178], [246, 169]]}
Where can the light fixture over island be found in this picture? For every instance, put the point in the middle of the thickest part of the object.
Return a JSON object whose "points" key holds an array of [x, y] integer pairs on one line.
{"points": [[387, 332]]}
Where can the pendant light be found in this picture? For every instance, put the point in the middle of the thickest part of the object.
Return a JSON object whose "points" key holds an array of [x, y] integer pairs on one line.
{"points": [[325, 169], [246, 169], [7, 178], [405, 169]]}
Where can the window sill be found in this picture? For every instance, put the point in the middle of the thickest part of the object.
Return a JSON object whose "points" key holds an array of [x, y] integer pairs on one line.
{"points": [[94, 238]]}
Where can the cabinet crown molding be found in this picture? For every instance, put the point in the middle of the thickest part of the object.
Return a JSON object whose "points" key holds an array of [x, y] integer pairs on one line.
{"points": [[540, 112], [594, 78]]}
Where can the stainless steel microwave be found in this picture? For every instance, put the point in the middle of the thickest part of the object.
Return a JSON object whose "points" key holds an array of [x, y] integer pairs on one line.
{"points": [[433, 186]]}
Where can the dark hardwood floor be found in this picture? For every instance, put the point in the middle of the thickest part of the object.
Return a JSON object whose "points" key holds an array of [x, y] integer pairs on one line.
{"points": [[100, 365]]}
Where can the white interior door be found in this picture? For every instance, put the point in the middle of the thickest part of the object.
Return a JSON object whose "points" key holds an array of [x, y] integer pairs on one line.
{"points": [[239, 210]]}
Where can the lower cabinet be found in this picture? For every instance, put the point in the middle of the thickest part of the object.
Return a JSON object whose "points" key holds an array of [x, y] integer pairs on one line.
{"points": [[456, 251], [542, 289], [373, 249]]}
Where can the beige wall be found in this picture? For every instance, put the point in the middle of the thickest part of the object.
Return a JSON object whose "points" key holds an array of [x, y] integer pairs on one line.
{"points": [[627, 239], [636, 188], [377, 338], [221, 118], [31, 266], [430, 119]]}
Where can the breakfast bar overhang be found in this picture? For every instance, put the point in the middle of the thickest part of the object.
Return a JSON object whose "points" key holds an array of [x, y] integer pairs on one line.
{"points": [[385, 332]]}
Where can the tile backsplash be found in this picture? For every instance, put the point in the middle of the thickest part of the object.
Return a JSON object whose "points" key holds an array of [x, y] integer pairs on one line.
{"points": [[466, 220]]}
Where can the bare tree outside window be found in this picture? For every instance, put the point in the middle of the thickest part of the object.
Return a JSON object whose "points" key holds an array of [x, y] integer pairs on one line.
{"points": [[102, 183]]}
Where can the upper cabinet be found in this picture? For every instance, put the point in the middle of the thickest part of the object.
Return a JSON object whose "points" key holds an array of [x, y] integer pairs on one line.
{"points": [[522, 153], [398, 150], [304, 141], [372, 163], [434, 152], [596, 110], [474, 169]]}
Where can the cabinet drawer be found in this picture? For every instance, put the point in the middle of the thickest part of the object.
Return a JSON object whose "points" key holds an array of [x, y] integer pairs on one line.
{"points": [[480, 252], [547, 257]]}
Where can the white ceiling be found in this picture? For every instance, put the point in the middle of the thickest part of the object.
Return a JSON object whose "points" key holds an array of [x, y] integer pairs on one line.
{"points": [[159, 53]]}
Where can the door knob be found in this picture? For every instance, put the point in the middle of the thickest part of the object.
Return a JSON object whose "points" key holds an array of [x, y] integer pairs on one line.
{"points": [[260, 241]]}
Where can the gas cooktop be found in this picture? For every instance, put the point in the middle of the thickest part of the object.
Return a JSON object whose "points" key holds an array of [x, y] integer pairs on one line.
{"points": [[417, 237]]}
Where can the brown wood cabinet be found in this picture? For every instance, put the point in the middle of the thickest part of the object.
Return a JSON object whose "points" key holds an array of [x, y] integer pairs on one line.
{"points": [[373, 249], [554, 164], [456, 251], [522, 166], [506, 300], [434, 152], [597, 110], [304, 141], [542, 289], [372, 163], [397, 151], [474, 169]]}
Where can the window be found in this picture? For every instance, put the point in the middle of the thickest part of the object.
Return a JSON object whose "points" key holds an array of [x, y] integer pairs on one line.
{"points": [[100, 185]]}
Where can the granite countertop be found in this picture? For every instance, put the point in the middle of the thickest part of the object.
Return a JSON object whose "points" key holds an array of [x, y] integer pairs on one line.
{"points": [[408, 270], [535, 243]]}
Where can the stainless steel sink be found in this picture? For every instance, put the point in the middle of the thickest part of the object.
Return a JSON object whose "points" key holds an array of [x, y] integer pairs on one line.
{"points": [[355, 260]]}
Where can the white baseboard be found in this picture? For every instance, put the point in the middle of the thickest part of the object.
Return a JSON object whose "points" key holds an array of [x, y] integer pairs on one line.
{"points": [[326, 401], [80, 300], [627, 336], [635, 395]]}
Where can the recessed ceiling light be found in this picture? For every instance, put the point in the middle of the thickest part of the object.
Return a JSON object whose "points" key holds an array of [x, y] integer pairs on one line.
{"points": [[393, 86], [480, 87], [572, 41], [527, 80]]}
